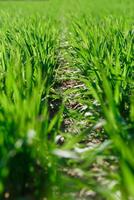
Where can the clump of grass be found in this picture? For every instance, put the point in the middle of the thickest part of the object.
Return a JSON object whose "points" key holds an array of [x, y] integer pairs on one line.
{"points": [[103, 51], [28, 59]]}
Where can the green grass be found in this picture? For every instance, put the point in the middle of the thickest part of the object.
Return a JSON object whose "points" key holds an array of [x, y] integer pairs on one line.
{"points": [[104, 54], [42, 46], [28, 60]]}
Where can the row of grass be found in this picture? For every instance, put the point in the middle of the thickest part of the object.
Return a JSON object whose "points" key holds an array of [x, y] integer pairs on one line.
{"points": [[104, 51], [28, 59]]}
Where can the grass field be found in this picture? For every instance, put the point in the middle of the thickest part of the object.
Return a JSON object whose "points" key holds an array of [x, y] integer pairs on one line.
{"points": [[67, 100]]}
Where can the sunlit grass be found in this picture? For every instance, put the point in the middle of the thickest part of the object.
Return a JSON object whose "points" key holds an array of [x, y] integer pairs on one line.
{"points": [[96, 160]]}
